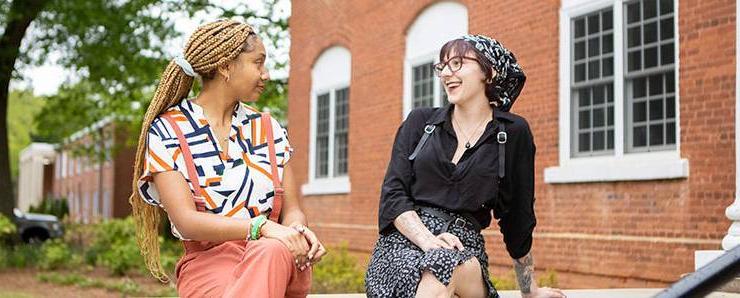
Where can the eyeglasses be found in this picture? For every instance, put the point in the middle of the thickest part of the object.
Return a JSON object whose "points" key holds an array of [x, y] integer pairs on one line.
{"points": [[454, 63]]}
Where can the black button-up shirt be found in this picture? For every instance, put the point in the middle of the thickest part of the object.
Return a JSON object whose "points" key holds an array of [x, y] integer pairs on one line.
{"points": [[470, 186]]}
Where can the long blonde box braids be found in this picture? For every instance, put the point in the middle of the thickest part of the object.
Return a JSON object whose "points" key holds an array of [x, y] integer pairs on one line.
{"points": [[211, 45]]}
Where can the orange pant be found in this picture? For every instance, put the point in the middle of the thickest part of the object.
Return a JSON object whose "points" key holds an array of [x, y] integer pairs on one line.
{"points": [[262, 268]]}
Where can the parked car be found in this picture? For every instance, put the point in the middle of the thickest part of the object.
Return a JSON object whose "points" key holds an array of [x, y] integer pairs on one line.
{"points": [[35, 227]]}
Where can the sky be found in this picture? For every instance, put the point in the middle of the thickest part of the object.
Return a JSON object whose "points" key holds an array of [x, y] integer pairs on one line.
{"points": [[47, 78]]}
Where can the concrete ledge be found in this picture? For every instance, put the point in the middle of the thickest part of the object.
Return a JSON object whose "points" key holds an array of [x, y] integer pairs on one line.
{"points": [[590, 293]]}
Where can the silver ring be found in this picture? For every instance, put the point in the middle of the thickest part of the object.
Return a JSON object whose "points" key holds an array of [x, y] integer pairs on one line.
{"points": [[300, 228]]}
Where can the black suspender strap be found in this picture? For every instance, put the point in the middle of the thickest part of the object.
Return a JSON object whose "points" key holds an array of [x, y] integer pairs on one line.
{"points": [[501, 138], [427, 132]]}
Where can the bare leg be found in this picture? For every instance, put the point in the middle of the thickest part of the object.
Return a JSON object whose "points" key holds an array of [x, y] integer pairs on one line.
{"points": [[429, 286], [468, 280]]}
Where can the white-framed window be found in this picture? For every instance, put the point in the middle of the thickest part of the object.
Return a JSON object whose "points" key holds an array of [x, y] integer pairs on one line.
{"points": [[329, 127], [436, 25], [618, 92]]}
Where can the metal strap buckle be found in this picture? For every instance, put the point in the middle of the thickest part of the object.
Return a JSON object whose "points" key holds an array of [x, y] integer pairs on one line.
{"points": [[429, 128], [501, 137], [460, 222]]}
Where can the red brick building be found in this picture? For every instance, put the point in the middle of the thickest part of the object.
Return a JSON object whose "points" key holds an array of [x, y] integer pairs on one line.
{"points": [[623, 97], [95, 189]]}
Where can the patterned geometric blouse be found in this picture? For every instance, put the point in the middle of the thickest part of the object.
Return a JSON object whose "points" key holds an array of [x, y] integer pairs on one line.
{"points": [[237, 182]]}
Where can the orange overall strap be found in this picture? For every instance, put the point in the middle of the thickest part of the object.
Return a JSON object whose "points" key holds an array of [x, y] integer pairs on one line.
{"points": [[277, 203], [189, 164]]}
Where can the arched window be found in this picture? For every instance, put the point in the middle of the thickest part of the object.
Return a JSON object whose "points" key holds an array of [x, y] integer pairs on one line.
{"points": [[436, 25], [328, 158]]}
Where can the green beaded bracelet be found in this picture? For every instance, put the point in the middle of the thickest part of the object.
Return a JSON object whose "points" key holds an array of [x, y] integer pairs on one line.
{"points": [[257, 224]]}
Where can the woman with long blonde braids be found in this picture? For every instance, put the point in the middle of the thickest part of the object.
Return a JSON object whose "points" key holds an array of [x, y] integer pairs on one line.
{"points": [[215, 165]]}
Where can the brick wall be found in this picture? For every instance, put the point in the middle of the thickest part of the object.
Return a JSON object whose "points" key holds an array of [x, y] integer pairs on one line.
{"points": [[620, 234]]}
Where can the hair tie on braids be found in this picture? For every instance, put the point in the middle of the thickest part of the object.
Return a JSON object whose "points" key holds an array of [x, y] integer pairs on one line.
{"points": [[185, 65]]}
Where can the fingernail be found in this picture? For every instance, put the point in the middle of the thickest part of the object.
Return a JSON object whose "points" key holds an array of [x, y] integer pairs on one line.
{"points": [[310, 257], [308, 264]]}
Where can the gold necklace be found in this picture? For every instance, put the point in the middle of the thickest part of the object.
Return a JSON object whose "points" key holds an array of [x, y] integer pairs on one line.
{"points": [[467, 143]]}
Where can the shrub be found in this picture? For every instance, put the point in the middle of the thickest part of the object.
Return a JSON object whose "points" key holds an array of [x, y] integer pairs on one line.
{"points": [[56, 254], [51, 205], [114, 246], [338, 272], [19, 256], [7, 230]]}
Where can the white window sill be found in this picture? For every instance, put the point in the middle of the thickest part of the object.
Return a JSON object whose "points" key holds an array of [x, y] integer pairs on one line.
{"points": [[632, 167], [326, 186]]}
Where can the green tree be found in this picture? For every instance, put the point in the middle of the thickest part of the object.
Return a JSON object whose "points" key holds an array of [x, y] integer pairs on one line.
{"points": [[22, 110], [115, 48]]}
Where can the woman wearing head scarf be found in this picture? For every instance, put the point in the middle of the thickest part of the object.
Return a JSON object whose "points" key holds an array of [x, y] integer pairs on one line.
{"points": [[451, 169], [215, 165]]}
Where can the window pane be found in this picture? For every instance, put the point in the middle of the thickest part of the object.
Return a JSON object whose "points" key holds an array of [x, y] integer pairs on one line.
{"points": [[606, 20], [598, 95], [584, 98], [670, 83], [593, 24], [670, 107], [610, 139], [593, 47], [638, 112], [656, 84], [580, 27], [666, 29], [656, 134], [580, 72], [650, 9], [610, 116], [633, 37], [656, 109], [607, 67], [639, 136], [584, 119], [651, 57], [598, 117], [599, 140], [650, 32], [666, 54], [607, 43], [584, 142], [638, 88], [670, 130], [579, 51], [634, 60], [633, 12], [593, 69], [666, 6], [609, 93]]}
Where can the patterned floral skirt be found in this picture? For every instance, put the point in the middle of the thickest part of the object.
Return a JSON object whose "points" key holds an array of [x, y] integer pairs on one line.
{"points": [[397, 263]]}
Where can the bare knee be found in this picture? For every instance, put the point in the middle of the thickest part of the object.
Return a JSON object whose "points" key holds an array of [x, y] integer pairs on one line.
{"points": [[468, 279], [429, 286], [467, 270]]}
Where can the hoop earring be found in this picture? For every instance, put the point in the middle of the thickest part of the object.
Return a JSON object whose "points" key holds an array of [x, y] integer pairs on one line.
{"points": [[489, 80]]}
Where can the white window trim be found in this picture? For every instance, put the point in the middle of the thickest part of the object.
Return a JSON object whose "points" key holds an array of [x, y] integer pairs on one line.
{"points": [[621, 166], [331, 184], [408, 77]]}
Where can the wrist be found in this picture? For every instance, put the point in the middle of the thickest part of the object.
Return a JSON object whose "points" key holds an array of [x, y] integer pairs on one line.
{"points": [[257, 227]]}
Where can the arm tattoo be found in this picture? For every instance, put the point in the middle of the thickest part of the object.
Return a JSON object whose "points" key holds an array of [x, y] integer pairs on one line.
{"points": [[524, 268], [410, 225]]}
